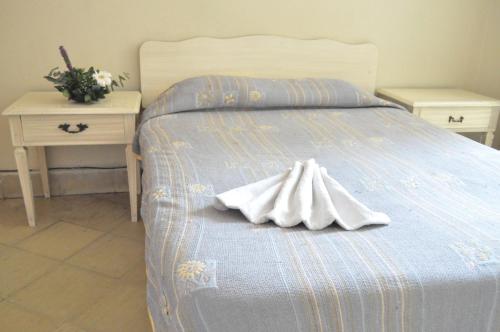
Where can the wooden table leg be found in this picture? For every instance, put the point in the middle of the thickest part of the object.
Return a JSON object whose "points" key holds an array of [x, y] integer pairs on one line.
{"points": [[44, 172], [139, 182], [26, 186], [490, 135], [132, 180]]}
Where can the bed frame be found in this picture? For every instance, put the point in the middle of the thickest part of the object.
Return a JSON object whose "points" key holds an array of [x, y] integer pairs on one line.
{"points": [[164, 63]]}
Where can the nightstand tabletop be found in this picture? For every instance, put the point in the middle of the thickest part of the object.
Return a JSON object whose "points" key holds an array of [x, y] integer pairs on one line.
{"points": [[53, 102], [438, 97]]}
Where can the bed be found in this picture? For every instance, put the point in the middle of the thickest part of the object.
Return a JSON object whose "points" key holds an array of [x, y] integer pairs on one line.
{"points": [[434, 268]]}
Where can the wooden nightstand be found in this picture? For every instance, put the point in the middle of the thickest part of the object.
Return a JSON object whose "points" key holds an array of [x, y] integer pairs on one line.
{"points": [[42, 119], [458, 110]]}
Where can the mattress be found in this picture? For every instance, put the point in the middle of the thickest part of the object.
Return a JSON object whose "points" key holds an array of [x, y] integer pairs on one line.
{"points": [[434, 268]]}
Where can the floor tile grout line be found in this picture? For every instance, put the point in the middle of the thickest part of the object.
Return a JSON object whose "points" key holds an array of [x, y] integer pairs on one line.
{"points": [[84, 247], [89, 244], [38, 231], [49, 271], [56, 262], [127, 238], [114, 283], [66, 260], [59, 259], [69, 319], [56, 320], [73, 319], [134, 267], [110, 231], [37, 254], [61, 262], [95, 228], [59, 219], [46, 227], [34, 311], [58, 265], [102, 274]]}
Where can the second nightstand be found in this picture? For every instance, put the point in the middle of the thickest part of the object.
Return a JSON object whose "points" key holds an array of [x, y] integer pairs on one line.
{"points": [[42, 119], [457, 110]]}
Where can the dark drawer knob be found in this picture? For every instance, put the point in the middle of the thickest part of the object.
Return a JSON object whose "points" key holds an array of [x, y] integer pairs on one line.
{"points": [[65, 127], [452, 119]]}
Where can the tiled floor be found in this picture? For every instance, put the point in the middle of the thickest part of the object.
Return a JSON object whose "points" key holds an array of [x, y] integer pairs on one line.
{"points": [[81, 269]]}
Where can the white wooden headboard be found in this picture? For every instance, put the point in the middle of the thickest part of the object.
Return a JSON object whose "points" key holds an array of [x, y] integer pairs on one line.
{"points": [[164, 63]]}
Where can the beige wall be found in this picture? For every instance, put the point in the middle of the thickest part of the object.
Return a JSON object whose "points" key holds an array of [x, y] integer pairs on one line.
{"points": [[486, 77], [421, 42]]}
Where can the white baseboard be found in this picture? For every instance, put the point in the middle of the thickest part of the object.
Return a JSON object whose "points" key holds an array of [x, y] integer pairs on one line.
{"points": [[68, 182]]}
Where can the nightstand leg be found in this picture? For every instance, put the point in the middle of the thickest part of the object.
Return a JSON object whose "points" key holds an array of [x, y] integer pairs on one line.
{"points": [[26, 186], [132, 180], [44, 172], [489, 138], [139, 184]]}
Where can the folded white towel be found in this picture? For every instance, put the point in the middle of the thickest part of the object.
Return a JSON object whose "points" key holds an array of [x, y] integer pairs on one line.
{"points": [[304, 193]]}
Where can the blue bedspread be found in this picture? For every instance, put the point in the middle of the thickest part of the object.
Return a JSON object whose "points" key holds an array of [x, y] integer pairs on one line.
{"points": [[434, 268]]}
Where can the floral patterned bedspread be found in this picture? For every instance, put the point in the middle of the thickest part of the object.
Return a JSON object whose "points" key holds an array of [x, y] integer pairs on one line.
{"points": [[434, 268]]}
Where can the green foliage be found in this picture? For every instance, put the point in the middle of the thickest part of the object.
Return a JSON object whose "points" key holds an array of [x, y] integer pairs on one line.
{"points": [[78, 84]]}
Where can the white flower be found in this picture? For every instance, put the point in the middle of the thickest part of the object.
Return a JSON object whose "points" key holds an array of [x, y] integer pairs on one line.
{"points": [[103, 78]]}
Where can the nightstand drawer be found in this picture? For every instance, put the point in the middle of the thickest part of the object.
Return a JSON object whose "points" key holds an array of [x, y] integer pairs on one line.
{"points": [[458, 118], [73, 129]]}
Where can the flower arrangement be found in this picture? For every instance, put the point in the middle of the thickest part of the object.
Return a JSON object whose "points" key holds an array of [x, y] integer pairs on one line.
{"points": [[81, 85]]}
